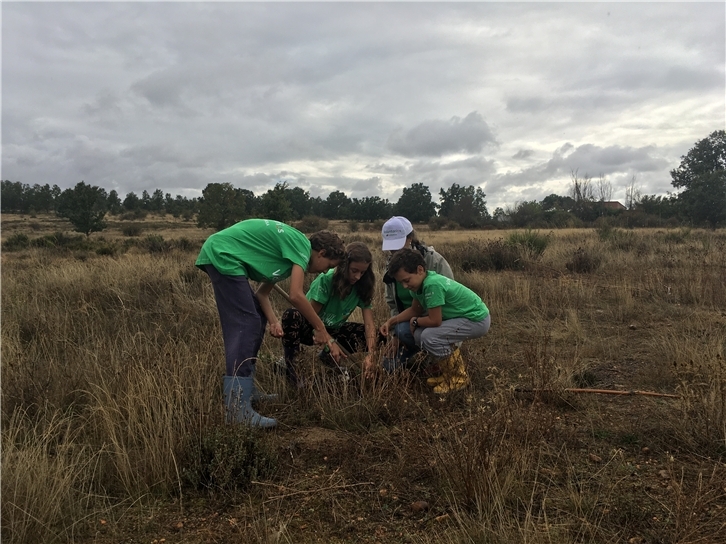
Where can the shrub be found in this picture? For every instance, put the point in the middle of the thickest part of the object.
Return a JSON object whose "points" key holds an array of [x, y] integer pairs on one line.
{"points": [[132, 229], [353, 226], [228, 458], [437, 223], [479, 255], [583, 261], [533, 242], [16, 242], [312, 223], [155, 243]]}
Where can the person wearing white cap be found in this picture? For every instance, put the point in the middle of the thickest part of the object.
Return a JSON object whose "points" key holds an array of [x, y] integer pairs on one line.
{"points": [[398, 233]]}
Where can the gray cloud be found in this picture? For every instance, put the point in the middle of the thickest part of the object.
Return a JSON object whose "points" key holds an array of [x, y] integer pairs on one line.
{"points": [[435, 138], [364, 98]]}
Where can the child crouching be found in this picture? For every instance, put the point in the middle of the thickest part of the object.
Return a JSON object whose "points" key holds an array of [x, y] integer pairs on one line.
{"points": [[455, 313]]}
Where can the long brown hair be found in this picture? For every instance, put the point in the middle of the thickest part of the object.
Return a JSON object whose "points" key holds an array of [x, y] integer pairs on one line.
{"points": [[355, 252]]}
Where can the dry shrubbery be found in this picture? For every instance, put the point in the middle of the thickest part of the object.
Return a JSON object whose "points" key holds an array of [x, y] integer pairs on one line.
{"points": [[111, 373]]}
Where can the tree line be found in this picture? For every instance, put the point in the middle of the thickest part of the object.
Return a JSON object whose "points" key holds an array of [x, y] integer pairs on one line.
{"points": [[701, 179]]}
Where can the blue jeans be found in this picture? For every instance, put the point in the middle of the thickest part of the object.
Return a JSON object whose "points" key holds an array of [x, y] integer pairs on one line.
{"points": [[407, 344]]}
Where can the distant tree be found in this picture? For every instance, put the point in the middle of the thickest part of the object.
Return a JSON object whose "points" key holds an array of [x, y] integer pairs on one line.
{"points": [[663, 207], [221, 206], [14, 197], [526, 214], [156, 201], [465, 205], [582, 192], [632, 194], [131, 202], [416, 204], [369, 208], [317, 206], [702, 176], [299, 200], [604, 189], [275, 204], [557, 202], [114, 202], [84, 206], [336, 205], [145, 200]]}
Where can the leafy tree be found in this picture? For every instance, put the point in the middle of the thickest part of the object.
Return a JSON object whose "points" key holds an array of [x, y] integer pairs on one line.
{"points": [[114, 202], [465, 205], [663, 207], [221, 206], [14, 197], [156, 202], [131, 202], [526, 214], [85, 207], [702, 176], [369, 208], [416, 204], [557, 202], [274, 204], [336, 205], [299, 200]]}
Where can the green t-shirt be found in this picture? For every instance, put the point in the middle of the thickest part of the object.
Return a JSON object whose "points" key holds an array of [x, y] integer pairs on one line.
{"points": [[334, 311], [261, 249], [455, 299]]}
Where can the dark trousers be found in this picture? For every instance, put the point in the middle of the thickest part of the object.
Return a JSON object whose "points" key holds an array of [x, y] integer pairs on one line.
{"points": [[243, 323], [298, 330]]}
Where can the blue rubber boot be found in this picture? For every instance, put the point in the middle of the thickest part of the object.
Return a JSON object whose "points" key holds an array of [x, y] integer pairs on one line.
{"points": [[238, 393]]}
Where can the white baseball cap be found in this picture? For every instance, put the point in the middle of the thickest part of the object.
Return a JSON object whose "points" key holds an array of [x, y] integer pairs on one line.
{"points": [[394, 232]]}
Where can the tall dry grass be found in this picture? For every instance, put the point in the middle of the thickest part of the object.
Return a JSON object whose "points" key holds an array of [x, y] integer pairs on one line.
{"points": [[111, 368]]}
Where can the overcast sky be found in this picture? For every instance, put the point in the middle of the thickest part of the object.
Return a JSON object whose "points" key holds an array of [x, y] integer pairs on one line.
{"points": [[359, 97]]}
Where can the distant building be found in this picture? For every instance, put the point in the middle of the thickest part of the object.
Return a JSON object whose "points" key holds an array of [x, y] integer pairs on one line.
{"points": [[614, 205]]}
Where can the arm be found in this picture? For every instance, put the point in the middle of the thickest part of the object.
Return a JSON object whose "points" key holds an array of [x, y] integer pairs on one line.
{"points": [[300, 301], [263, 296], [433, 319], [414, 311]]}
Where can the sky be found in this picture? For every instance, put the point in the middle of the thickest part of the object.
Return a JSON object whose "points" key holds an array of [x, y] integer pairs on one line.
{"points": [[364, 98]]}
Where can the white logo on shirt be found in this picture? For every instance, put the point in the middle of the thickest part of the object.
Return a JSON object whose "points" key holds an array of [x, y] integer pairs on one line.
{"points": [[276, 273]]}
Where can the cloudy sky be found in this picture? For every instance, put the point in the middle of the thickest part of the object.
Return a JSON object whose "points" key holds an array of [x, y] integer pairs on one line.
{"points": [[366, 98]]}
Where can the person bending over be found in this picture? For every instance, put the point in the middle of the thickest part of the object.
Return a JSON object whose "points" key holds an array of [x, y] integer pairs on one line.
{"points": [[454, 313], [265, 251]]}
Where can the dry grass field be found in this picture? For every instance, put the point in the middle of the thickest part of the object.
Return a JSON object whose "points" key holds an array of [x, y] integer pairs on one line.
{"points": [[112, 422]]}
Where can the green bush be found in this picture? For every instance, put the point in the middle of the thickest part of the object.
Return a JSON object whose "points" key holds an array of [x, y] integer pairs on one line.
{"points": [[479, 255], [132, 229], [228, 458], [533, 242], [155, 243], [353, 226], [583, 262], [16, 242], [437, 223], [312, 223]]}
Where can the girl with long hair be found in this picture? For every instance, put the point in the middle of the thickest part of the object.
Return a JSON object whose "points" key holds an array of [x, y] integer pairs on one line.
{"points": [[334, 296]]}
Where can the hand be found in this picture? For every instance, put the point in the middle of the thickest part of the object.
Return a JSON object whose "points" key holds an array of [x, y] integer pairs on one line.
{"points": [[413, 324], [384, 329], [321, 337], [276, 330], [369, 367], [335, 352]]}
